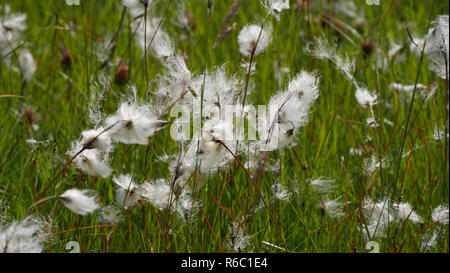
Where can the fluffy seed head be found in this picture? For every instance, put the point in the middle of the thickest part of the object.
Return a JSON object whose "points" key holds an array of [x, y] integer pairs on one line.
{"points": [[80, 201], [96, 139], [248, 40], [24, 236], [133, 123], [440, 214], [377, 216], [125, 181], [137, 7], [275, 7], [365, 98], [92, 162], [156, 193], [27, 64], [404, 211], [333, 208], [437, 46], [11, 25]]}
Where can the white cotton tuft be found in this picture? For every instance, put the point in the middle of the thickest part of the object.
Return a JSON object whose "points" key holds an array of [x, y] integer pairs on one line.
{"points": [[280, 192], [289, 111], [406, 88], [91, 162], [333, 208], [125, 181], [210, 154], [137, 7], [126, 193], [96, 139], [429, 240], [439, 134], [175, 81], [237, 239], [24, 236], [374, 163], [160, 42], [27, 64], [322, 49], [322, 185], [404, 211], [11, 26], [426, 92], [372, 122], [185, 206], [365, 98], [133, 123], [80, 201], [377, 217], [437, 47], [156, 193], [248, 40], [306, 86], [219, 91], [126, 198], [110, 215], [417, 47], [440, 214], [275, 7]]}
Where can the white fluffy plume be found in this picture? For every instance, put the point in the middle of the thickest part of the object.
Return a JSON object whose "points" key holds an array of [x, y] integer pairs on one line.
{"points": [[80, 201]]}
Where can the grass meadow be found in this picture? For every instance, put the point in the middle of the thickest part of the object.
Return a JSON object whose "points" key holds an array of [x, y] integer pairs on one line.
{"points": [[402, 159]]}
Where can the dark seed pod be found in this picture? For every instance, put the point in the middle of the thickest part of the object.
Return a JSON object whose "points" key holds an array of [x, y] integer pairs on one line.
{"points": [[192, 21], [30, 118], [65, 58], [304, 165], [122, 74], [367, 49]]}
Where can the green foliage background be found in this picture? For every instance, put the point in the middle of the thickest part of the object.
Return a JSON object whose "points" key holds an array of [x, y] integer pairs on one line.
{"points": [[60, 97]]}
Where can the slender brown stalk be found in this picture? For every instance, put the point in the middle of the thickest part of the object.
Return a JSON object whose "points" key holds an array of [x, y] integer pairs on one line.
{"points": [[151, 41], [225, 31]]}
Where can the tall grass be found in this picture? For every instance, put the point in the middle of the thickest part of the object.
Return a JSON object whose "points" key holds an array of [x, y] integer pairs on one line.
{"points": [[417, 171]]}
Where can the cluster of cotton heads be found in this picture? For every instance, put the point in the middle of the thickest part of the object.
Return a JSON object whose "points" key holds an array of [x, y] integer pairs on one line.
{"points": [[440, 219], [134, 122], [434, 45], [207, 149], [214, 146], [159, 193], [379, 216]]}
